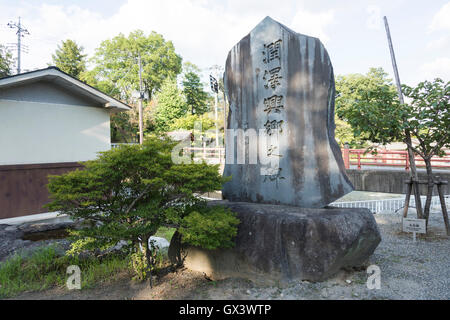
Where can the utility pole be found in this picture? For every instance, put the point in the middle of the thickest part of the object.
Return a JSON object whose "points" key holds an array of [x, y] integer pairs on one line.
{"points": [[21, 32], [215, 89], [412, 161], [224, 111], [141, 98], [216, 98]]}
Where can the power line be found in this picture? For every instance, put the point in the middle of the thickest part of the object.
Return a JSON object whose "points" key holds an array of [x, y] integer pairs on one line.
{"points": [[21, 32]]}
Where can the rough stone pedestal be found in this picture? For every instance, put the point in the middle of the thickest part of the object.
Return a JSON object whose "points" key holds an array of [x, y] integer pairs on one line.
{"points": [[277, 243]]}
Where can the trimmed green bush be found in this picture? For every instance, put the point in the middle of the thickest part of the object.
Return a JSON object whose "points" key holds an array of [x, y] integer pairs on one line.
{"points": [[130, 192]]}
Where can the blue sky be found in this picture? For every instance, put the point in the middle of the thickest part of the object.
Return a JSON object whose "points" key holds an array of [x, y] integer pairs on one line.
{"points": [[203, 31]]}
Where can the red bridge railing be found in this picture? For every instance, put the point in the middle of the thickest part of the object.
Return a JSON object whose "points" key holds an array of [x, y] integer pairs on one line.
{"points": [[352, 158], [389, 158]]}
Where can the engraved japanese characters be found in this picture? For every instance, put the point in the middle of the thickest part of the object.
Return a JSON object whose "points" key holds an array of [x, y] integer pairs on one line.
{"points": [[280, 128]]}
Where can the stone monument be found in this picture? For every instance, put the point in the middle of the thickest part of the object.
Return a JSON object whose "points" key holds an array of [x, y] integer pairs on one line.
{"points": [[286, 166], [280, 138]]}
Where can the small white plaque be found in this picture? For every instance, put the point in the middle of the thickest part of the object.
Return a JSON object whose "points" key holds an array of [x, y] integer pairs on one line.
{"points": [[414, 225]]}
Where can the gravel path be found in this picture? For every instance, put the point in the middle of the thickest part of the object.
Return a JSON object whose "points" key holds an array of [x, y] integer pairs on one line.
{"points": [[409, 270]]}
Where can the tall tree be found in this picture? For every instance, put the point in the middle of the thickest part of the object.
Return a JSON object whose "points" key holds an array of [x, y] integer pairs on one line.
{"points": [[171, 105], [371, 106], [362, 96], [116, 62], [125, 125], [196, 97], [6, 62], [428, 121], [69, 58], [344, 134]]}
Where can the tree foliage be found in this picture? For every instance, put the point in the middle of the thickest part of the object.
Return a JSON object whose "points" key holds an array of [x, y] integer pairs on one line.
{"points": [[125, 125], [208, 228], [91, 78], [370, 104], [344, 134], [116, 62], [189, 121], [69, 58], [428, 120], [171, 105], [6, 62], [116, 72], [196, 97], [129, 192]]}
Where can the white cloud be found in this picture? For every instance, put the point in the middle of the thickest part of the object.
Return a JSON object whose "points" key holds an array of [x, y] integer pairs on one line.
{"points": [[202, 30], [441, 20], [440, 24], [439, 43], [374, 21], [438, 68], [313, 24]]}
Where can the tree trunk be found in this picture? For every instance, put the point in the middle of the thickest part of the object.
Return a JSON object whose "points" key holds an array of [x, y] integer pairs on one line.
{"points": [[124, 134], [414, 176], [429, 189], [148, 258], [175, 248]]}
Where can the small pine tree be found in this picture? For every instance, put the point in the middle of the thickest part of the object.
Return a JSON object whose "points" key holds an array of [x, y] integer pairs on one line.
{"points": [[129, 192], [69, 58], [196, 97], [170, 106]]}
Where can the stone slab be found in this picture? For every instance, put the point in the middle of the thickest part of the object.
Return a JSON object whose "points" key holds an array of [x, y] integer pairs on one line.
{"points": [[280, 145], [277, 243]]}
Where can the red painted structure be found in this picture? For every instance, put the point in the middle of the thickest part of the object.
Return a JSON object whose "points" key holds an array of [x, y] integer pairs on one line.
{"points": [[389, 158]]}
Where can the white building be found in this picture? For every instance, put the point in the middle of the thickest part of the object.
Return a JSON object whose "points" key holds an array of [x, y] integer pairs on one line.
{"points": [[49, 121]]}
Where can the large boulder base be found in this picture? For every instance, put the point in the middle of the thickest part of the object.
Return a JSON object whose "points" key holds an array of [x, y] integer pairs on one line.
{"points": [[278, 244]]}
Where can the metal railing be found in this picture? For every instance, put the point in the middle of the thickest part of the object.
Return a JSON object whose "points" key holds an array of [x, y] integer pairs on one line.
{"points": [[352, 157], [216, 155], [389, 158], [115, 145], [390, 205]]}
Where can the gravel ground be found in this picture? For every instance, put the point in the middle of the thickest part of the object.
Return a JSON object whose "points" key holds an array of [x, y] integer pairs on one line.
{"points": [[409, 270]]}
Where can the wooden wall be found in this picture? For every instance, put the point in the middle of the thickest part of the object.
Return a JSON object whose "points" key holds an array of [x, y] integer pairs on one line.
{"points": [[23, 189]]}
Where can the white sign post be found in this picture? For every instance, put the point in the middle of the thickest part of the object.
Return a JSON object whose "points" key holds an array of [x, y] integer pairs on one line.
{"points": [[414, 226]]}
